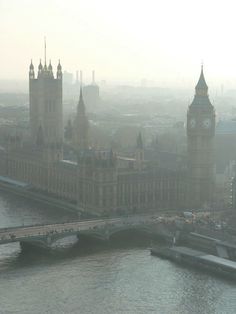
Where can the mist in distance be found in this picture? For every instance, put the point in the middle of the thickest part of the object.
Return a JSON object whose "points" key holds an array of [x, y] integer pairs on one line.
{"points": [[139, 153], [125, 41]]}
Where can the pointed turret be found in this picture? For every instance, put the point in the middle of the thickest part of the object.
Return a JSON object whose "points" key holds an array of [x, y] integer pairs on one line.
{"points": [[81, 126], [50, 69], [31, 70], [40, 67], [81, 105], [59, 66], [50, 66], [45, 67], [31, 65], [59, 71]]}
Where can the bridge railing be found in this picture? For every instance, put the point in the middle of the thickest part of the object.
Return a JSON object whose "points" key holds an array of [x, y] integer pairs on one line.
{"points": [[123, 218]]}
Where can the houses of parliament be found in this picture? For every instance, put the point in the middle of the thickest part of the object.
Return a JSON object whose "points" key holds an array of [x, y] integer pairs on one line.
{"points": [[103, 181]]}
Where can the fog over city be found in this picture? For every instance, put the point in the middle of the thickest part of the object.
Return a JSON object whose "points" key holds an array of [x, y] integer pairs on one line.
{"points": [[124, 41], [117, 157]]}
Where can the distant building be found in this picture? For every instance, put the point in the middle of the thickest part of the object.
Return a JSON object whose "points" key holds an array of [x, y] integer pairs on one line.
{"points": [[225, 151], [67, 78], [91, 94], [226, 160]]}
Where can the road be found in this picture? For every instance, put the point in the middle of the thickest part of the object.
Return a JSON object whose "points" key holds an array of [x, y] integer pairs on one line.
{"points": [[19, 233]]}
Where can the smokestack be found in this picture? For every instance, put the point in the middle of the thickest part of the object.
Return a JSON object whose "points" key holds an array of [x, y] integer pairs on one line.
{"points": [[81, 78], [93, 77], [77, 77]]}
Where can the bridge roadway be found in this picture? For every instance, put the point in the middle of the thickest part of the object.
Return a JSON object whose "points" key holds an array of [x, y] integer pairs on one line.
{"points": [[45, 235]]}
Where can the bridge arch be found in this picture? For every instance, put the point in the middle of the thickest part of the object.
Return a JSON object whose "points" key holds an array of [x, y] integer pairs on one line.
{"points": [[45, 242], [139, 231]]}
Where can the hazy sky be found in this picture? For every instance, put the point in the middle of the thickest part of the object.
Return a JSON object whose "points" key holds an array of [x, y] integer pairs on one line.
{"points": [[122, 40]]}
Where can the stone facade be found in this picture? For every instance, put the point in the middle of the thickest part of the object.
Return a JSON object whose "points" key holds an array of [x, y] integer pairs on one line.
{"points": [[96, 183], [99, 180], [200, 135], [46, 114]]}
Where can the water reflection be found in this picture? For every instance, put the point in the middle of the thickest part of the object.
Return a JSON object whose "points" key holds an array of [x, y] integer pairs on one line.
{"points": [[99, 277], [16, 211]]}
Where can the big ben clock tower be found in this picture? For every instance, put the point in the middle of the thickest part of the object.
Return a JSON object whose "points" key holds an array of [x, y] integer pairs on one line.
{"points": [[200, 135]]}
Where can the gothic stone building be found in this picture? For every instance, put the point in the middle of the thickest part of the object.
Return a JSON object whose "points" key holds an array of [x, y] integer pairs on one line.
{"points": [[102, 181], [200, 134]]}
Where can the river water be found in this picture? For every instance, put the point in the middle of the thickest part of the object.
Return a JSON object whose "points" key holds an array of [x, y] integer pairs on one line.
{"points": [[106, 279]]}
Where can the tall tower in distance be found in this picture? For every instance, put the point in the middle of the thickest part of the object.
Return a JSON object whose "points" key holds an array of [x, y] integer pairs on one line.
{"points": [[200, 142], [81, 125], [46, 113]]}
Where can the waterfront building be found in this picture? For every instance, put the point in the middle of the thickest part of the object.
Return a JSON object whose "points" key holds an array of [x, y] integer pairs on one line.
{"points": [[46, 115], [200, 142], [103, 181]]}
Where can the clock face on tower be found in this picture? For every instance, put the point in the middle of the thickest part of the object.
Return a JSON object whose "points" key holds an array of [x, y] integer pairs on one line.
{"points": [[192, 123], [206, 123]]}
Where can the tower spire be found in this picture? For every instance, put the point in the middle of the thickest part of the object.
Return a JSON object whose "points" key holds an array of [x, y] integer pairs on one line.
{"points": [[201, 87], [81, 124], [81, 105], [31, 65]]}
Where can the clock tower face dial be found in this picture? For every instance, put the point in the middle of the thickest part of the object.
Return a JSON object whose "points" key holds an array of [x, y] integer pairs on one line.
{"points": [[206, 123], [192, 123]]}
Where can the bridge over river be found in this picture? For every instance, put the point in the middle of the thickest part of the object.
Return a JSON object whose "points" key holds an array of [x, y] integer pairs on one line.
{"points": [[47, 234]]}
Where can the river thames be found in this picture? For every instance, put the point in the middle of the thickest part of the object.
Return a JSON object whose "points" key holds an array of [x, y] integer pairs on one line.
{"points": [[114, 278]]}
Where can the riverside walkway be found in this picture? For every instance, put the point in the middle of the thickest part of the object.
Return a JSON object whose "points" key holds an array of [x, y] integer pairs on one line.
{"points": [[44, 235]]}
